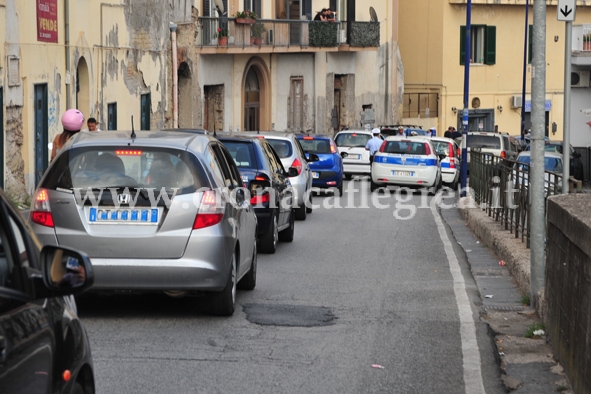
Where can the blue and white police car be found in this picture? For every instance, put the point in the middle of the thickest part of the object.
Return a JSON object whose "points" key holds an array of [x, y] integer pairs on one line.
{"points": [[408, 162]]}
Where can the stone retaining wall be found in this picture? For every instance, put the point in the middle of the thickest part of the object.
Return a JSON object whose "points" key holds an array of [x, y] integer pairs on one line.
{"points": [[568, 285]]}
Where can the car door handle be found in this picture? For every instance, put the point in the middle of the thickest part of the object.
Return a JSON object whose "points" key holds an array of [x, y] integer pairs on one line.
{"points": [[2, 350]]}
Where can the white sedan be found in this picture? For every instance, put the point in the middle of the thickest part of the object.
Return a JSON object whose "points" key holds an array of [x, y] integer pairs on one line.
{"points": [[407, 161], [351, 145]]}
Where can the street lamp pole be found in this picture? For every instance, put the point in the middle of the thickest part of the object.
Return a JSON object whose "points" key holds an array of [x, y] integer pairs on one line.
{"points": [[536, 169], [525, 45], [464, 177]]}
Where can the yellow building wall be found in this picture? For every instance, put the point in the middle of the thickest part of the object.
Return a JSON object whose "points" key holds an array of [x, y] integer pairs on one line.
{"points": [[431, 58]]}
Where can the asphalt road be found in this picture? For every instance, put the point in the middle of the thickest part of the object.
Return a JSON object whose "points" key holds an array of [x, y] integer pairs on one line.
{"points": [[357, 287]]}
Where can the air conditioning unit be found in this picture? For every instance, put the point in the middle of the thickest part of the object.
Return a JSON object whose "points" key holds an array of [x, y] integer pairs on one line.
{"points": [[516, 102], [579, 79]]}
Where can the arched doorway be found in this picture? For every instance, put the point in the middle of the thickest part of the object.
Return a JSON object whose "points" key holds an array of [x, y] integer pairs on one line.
{"points": [[83, 89], [252, 104], [185, 101], [256, 96]]}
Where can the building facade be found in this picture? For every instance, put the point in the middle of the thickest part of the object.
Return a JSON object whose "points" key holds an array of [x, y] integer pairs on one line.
{"points": [[433, 45], [165, 64]]}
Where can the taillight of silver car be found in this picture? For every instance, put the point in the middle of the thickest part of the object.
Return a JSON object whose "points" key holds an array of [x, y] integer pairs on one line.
{"points": [[211, 211], [40, 211]]}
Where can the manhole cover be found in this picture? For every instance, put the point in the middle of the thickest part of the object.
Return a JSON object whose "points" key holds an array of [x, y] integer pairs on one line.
{"points": [[289, 315]]}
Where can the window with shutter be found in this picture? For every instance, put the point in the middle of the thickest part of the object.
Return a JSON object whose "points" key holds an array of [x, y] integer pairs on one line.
{"points": [[482, 44]]}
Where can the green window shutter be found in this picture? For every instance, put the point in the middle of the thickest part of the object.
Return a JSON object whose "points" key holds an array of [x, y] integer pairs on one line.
{"points": [[490, 55], [462, 44], [530, 47]]}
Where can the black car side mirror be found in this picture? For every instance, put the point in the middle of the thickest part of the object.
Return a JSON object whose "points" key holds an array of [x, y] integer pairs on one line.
{"points": [[292, 172], [65, 270], [441, 156], [312, 157], [344, 155], [577, 155]]}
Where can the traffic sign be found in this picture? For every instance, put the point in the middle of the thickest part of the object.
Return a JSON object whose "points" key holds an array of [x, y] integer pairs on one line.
{"points": [[566, 10]]}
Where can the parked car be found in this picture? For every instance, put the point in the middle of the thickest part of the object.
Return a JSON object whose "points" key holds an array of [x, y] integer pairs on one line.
{"points": [[576, 165], [502, 145], [269, 185], [292, 155], [552, 167], [450, 154], [43, 345], [408, 162], [153, 212], [526, 140], [351, 147], [327, 172]]}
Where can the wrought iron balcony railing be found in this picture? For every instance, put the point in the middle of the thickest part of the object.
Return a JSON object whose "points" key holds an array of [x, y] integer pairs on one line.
{"points": [[287, 33]]}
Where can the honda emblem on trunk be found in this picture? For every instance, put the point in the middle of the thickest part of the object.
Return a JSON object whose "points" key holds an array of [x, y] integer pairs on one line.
{"points": [[123, 198]]}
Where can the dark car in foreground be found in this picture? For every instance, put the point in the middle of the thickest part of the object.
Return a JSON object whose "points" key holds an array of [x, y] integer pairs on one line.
{"points": [[270, 189], [157, 212], [43, 345], [327, 172]]}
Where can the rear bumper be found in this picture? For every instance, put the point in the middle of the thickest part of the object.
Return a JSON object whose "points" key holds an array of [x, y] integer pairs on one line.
{"points": [[327, 178], [204, 266], [423, 177], [449, 176], [361, 168], [151, 275]]}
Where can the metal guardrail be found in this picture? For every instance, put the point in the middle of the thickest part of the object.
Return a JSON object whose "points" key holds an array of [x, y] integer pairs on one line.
{"points": [[286, 33], [500, 187]]}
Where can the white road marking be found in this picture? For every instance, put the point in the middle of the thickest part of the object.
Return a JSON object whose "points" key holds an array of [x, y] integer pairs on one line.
{"points": [[470, 352]]}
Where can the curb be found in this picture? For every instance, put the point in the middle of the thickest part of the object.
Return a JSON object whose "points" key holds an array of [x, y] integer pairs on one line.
{"points": [[528, 365]]}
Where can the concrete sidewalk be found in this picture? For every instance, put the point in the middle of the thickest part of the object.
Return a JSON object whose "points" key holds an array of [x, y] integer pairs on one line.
{"points": [[528, 364]]}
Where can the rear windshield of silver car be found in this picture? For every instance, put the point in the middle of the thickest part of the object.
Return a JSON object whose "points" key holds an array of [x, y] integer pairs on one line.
{"points": [[484, 141], [316, 146], [242, 153], [406, 147], [353, 140], [107, 167], [282, 147]]}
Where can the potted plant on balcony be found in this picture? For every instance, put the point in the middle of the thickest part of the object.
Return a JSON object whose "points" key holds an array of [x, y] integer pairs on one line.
{"points": [[222, 36], [256, 31], [245, 17]]}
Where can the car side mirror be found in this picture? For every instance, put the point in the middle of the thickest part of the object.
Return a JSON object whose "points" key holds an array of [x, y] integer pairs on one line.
{"points": [[65, 270], [441, 156], [292, 172], [344, 155], [577, 155], [312, 157]]}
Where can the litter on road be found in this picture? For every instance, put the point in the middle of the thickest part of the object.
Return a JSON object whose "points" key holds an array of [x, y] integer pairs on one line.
{"points": [[378, 366]]}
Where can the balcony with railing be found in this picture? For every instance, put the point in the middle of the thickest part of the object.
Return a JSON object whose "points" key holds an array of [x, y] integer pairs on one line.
{"points": [[280, 35], [581, 48]]}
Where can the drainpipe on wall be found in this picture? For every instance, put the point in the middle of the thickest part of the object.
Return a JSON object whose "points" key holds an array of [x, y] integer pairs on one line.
{"points": [[67, 46], [175, 78]]}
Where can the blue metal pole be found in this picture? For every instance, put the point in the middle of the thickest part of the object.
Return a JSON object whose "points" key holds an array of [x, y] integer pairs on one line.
{"points": [[464, 177], [525, 42]]}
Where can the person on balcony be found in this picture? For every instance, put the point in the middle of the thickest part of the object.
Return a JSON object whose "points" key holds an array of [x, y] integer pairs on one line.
{"points": [[321, 15]]}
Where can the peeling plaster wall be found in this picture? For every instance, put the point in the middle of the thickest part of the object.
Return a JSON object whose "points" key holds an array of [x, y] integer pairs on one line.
{"points": [[289, 66], [218, 70]]}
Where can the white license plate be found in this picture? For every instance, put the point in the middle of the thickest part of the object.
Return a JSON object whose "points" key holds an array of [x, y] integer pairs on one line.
{"points": [[403, 173], [356, 157], [316, 175]]}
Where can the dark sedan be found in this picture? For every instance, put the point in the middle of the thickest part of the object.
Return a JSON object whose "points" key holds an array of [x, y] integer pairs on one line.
{"points": [[43, 345], [269, 186]]}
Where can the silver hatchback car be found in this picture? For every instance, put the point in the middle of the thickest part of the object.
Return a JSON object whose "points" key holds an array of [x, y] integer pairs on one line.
{"points": [[160, 211]]}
